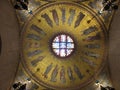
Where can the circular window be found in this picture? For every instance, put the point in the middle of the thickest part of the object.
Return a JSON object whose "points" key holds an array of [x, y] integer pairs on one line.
{"points": [[63, 45]]}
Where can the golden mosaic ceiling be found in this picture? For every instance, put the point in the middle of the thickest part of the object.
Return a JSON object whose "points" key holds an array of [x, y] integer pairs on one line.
{"points": [[89, 37]]}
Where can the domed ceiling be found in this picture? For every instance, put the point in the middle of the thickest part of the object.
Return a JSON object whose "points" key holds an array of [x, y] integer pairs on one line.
{"points": [[64, 45]]}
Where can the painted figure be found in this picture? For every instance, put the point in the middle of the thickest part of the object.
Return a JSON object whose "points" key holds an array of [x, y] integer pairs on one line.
{"points": [[47, 70], [30, 54], [70, 74], [62, 75], [92, 54], [54, 74], [63, 15], [92, 38], [92, 46], [48, 20], [34, 62], [91, 63], [55, 16], [72, 14], [89, 30], [77, 71], [79, 19], [37, 29], [33, 36]]}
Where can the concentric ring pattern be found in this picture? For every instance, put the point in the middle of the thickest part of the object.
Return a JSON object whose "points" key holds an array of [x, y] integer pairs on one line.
{"points": [[76, 70]]}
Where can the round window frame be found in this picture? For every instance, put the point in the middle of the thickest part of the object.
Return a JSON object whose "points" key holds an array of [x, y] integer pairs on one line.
{"points": [[51, 42]]}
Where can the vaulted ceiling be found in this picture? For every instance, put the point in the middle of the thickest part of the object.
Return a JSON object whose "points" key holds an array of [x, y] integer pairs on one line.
{"points": [[11, 46]]}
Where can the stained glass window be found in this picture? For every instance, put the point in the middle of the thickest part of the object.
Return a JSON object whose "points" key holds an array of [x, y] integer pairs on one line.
{"points": [[63, 45]]}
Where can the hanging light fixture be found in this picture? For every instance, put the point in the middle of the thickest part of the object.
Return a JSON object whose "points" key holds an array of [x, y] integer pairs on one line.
{"points": [[109, 5], [102, 88], [21, 5]]}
